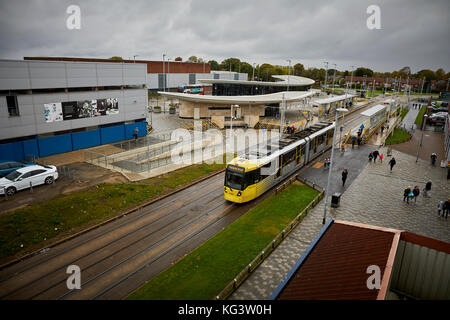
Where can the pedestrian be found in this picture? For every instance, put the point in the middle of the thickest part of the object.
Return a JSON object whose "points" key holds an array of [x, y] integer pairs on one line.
{"points": [[293, 129], [370, 157], [427, 189], [406, 193], [343, 147], [446, 208], [381, 158], [382, 129], [375, 155], [392, 163], [416, 193], [344, 176], [135, 134], [433, 158], [441, 208], [353, 142]]}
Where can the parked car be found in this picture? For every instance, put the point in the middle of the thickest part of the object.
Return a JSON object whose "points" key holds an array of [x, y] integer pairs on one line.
{"points": [[21, 178], [442, 109], [436, 120], [10, 166]]}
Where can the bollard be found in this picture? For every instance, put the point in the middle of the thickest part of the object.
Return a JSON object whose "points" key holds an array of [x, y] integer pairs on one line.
{"points": [[249, 268], [4, 191], [234, 283], [31, 187], [53, 183]]}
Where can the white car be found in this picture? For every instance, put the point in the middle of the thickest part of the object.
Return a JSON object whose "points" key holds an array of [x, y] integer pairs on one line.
{"points": [[21, 178]]}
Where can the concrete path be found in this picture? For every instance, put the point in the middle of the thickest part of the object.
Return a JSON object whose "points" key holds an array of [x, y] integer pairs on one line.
{"points": [[375, 198]]}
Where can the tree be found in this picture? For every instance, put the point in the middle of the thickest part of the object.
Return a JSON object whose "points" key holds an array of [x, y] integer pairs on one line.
{"points": [[116, 58], [298, 69], [179, 59], [193, 59], [214, 65], [234, 62], [427, 74], [361, 72], [440, 74]]}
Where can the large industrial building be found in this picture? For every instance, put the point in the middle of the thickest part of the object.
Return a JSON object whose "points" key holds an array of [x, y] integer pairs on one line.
{"points": [[167, 75], [50, 107]]}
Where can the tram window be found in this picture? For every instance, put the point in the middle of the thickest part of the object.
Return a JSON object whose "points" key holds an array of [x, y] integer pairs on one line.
{"points": [[252, 177], [266, 170], [288, 157], [321, 139]]}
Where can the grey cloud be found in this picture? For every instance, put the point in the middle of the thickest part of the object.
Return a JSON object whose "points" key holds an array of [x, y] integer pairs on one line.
{"points": [[413, 32]]}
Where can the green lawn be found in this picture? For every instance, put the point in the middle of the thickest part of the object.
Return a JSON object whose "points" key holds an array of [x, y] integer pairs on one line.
{"points": [[399, 136], [404, 112], [34, 226], [203, 273], [420, 115]]}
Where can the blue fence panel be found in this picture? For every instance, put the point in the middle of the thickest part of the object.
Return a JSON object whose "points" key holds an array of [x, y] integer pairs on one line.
{"points": [[85, 139], [11, 151], [30, 148], [54, 145], [129, 129], [112, 134]]}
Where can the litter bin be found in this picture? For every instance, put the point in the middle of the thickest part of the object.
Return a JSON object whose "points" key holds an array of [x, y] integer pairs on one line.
{"points": [[335, 198]]}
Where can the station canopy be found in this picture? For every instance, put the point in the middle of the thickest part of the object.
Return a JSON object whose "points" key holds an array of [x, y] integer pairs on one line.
{"points": [[289, 96], [284, 80], [333, 99], [373, 110]]}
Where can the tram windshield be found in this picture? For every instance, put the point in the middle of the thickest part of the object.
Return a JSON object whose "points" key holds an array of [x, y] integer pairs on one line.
{"points": [[234, 180]]}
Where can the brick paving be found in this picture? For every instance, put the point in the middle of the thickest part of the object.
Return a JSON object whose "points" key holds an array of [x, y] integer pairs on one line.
{"points": [[375, 197]]}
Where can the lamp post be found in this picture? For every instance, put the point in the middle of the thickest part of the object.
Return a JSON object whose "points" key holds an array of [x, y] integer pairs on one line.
{"points": [[253, 76], [334, 74], [289, 73], [351, 79], [326, 74], [134, 58], [168, 74], [331, 165], [164, 74], [421, 136]]}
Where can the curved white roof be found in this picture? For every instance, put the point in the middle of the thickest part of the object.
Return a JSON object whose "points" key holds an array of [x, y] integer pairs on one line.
{"points": [[285, 80], [289, 96], [333, 99]]}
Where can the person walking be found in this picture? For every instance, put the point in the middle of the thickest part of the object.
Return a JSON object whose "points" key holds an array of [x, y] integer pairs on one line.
{"points": [[353, 142], [416, 193], [433, 158], [446, 208], [381, 158], [344, 176], [441, 208], [135, 134], [392, 163], [406, 193], [370, 156], [375, 155], [427, 189]]}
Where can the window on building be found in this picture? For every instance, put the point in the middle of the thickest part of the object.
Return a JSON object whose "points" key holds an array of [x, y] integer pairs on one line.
{"points": [[13, 107]]}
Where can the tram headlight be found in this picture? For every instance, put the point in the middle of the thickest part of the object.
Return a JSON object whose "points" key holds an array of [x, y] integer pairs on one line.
{"points": [[225, 189], [239, 194]]}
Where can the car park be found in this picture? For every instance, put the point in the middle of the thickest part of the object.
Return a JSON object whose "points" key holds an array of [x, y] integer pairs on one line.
{"points": [[27, 177], [10, 166]]}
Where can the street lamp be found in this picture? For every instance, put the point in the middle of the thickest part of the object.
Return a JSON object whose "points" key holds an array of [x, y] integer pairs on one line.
{"points": [[164, 74], [421, 136], [326, 74], [289, 73], [331, 165], [134, 57], [253, 76], [351, 79], [334, 74], [231, 118], [168, 74]]}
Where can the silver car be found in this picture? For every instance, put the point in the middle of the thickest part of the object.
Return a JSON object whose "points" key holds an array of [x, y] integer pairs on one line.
{"points": [[26, 177]]}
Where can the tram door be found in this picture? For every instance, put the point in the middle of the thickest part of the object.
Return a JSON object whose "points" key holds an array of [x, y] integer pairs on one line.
{"points": [[315, 145]]}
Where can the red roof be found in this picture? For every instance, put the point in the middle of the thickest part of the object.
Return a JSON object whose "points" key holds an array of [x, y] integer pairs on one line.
{"points": [[337, 266]]}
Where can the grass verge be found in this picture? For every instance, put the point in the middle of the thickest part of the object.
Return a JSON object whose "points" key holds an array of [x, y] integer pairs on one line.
{"points": [[399, 136], [404, 113], [32, 227], [204, 272], [420, 115]]}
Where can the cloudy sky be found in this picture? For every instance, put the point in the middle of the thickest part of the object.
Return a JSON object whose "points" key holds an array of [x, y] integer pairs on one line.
{"points": [[413, 33]]}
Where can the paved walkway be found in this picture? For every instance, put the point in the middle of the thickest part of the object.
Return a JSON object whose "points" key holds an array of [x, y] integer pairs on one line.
{"points": [[375, 198]]}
